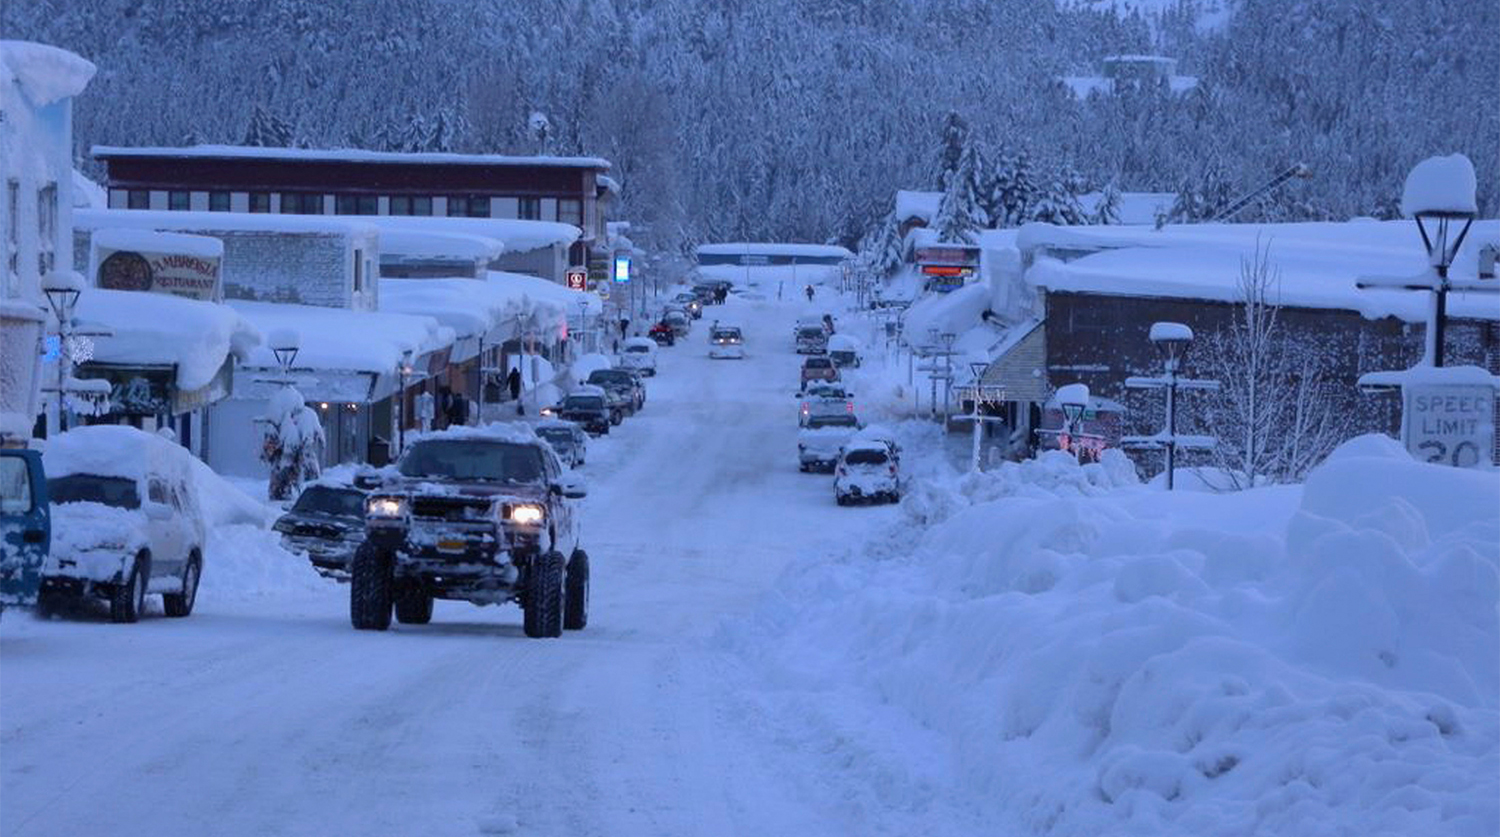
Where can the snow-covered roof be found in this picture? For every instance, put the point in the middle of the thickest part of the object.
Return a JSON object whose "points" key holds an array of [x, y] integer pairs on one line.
{"points": [[609, 184], [87, 194], [341, 339], [407, 243], [516, 235], [1319, 263], [113, 450], [151, 329], [919, 205], [345, 155], [756, 248], [534, 294], [152, 241], [42, 73], [145, 219]]}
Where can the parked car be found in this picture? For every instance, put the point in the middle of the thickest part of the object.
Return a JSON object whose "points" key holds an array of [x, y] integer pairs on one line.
{"points": [[824, 399], [638, 354], [589, 408], [883, 435], [127, 522], [726, 342], [706, 292], [818, 368], [822, 439], [811, 340], [866, 472], [662, 334], [843, 350], [689, 303], [327, 523], [621, 385], [483, 515], [25, 526], [678, 320], [568, 440]]}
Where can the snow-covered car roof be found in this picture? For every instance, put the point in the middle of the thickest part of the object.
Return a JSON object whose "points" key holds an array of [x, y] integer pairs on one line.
{"points": [[114, 450], [500, 431], [588, 389], [641, 341], [866, 444], [843, 343]]}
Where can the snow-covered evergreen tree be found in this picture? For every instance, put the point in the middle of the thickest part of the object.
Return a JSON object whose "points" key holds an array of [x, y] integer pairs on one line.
{"points": [[292, 443], [960, 214], [1108, 209], [952, 143], [265, 129]]}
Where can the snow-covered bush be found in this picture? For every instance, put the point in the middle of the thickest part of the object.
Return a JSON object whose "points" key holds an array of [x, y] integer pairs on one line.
{"points": [[292, 443]]}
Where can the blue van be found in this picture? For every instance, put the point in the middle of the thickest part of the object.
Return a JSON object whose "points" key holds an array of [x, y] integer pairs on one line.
{"points": [[25, 526]]}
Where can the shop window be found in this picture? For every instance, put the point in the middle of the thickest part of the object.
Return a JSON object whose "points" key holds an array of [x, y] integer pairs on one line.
{"points": [[468, 206], [356, 204], [218, 201], [260, 201], [531, 209], [570, 211], [359, 271], [13, 229], [138, 199], [408, 205], [178, 201], [301, 203]]}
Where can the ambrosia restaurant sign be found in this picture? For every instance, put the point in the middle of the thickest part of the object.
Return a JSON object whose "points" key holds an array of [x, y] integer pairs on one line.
{"points": [[196, 277]]}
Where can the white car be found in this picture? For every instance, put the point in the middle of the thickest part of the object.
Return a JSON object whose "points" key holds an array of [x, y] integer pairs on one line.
{"points": [[866, 472], [821, 440], [726, 342], [126, 521], [638, 354]]}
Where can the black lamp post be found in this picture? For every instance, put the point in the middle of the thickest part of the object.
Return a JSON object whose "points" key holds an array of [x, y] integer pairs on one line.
{"points": [[404, 371], [62, 289], [1443, 232], [1074, 401]]}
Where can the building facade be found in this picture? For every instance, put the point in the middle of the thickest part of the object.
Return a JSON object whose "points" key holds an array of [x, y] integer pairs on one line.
{"points": [[569, 190]]}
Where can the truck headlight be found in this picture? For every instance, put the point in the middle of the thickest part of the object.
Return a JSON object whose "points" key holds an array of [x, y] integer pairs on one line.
{"points": [[386, 507], [525, 514]]}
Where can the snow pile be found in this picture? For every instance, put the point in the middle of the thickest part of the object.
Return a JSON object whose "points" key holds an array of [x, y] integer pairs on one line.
{"points": [[1440, 184], [43, 73], [161, 329], [586, 365], [1288, 661]]}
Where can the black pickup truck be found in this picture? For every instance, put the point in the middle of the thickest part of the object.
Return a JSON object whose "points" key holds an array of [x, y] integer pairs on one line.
{"points": [[484, 515]]}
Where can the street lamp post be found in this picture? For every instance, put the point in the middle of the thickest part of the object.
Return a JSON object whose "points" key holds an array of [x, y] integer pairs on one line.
{"points": [[62, 288], [1074, 400], [403, 371], [1171, 341]]}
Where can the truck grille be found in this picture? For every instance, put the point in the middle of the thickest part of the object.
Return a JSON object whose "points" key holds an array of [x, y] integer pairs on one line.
{"points": [[448, 508]]}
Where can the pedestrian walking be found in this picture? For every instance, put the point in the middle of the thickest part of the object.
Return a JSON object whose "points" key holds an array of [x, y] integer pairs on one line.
{"points": [[809, 293], [513, 381]]}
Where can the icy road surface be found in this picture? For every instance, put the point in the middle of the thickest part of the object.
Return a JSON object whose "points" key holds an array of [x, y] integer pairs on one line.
{"points": [[274, 717]]}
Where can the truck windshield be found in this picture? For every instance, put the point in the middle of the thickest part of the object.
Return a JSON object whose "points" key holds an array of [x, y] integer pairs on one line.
{"points": [[810, 332], [339, 502], [87, 488], [469, 459], [583, 402], [601, 377]]}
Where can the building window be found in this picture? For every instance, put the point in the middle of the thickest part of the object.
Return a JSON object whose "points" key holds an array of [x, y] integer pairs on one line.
{"points": [[468, 207], [179, 201], [301, 203], [13, 230], [46, 228], [408, 205], [138, 199], [218, 201], [570, 211], [359, 271], [531, 209], [260, 201], [356, 205]]}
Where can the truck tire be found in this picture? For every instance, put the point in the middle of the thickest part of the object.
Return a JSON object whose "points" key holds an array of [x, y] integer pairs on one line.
{"points": [[128, 601], [576, 597], [370, 588], [544, 597], [178, 605], [413, 606]]}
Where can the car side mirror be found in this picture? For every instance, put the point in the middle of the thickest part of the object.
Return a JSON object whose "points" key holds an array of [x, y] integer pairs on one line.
{"points": [[570, 487], [157, 511]]}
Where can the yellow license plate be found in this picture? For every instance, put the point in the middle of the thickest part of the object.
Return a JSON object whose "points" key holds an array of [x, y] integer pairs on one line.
{"points": [[451, 545]]}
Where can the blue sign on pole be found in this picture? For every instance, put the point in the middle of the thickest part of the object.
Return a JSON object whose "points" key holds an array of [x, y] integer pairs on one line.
{"points": [[622, 269]]}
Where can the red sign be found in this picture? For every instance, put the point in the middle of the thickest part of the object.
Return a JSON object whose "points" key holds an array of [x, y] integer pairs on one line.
{"points": [[578, 279]]}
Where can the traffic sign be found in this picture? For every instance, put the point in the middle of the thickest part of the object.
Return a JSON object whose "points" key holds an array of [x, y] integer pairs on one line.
{"points": [[578, 278]]}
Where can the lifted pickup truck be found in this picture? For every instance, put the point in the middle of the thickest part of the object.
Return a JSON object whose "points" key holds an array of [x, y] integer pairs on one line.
{"points": [[25, 526], [483, 515]]}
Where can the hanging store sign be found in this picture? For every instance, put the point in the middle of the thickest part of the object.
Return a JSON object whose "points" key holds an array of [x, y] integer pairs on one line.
{"points": [[578, 279]]}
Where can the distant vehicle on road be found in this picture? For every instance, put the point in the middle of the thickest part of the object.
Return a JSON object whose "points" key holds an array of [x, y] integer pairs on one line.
{"points": [[866, 472], [25, 526], [127, 522], [327, 523], [663, 334], [843, 350], [623, 386], [483, 515], [689, 303], [678, 320], [821, 441], [589, 408], [818, 368], [638, 354], [824, 399], [568, 440], [811, 340], [726, 342]]}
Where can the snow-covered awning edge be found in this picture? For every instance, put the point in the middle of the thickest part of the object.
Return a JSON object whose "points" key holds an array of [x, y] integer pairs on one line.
{"points": [[43, 73]]}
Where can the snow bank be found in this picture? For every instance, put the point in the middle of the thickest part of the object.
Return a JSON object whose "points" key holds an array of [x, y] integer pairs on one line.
{"points": [[43, 73], [587, 364], [1095, 658], [151, 241]]}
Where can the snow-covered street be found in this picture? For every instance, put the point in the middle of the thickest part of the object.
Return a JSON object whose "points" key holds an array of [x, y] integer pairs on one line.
{"points": [[273, 716]]}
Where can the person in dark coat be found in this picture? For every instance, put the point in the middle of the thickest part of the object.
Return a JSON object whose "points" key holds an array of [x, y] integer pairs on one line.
{"points": [[513, 382]]}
